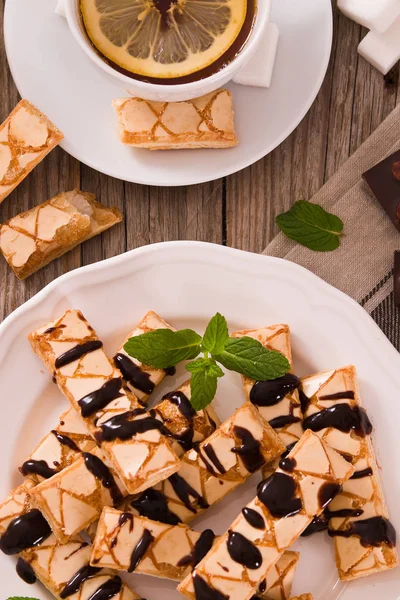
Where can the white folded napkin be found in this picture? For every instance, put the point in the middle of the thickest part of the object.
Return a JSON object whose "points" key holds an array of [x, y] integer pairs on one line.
{"points": [[377, 15], [258, 71], [382, 50], [381, 46], [60, 9]]}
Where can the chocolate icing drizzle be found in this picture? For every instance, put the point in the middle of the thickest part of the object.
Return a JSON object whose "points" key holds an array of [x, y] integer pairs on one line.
{"points": [[317, 524], [140, 549], [203, 591], [372, 532], [327, 492], [278, 494], [253, 518], [213, 459], [269, 393], [74, 584], [108, 589], [346, 395], [126, 518], [200, 549], [321, 523], [25, 571], [343, 512], [154, 505], [183, 403], [100, 470], [342, 417], [170, 371], [243, 551], [184, 491], [25, 531], [37, 467], [263, 586], [124, 427], [363, 473], [54, 328], [249, 451], [133, 374], [50, 330], [304, 401], [65, 441], [287, 464], [283, 420], [77, 352], [97, 400], [289, 448]]}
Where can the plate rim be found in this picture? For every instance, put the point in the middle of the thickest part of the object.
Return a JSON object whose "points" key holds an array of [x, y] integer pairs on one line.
{"points": [[226, 172], [207, 251]]}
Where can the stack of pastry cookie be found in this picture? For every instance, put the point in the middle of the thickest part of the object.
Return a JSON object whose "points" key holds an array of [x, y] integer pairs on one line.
{"points": [[32, 239], [114, 485]]}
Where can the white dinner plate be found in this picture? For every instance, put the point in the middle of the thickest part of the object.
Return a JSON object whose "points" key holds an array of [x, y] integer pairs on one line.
{"points": [[188, 282], [52, 71]]}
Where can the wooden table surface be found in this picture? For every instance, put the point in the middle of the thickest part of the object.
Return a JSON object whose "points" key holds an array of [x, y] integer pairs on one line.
{"points": [[237, 211]]}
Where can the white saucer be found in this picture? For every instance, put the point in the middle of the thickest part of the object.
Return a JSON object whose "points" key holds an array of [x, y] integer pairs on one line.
{"points": [[51, 71]]}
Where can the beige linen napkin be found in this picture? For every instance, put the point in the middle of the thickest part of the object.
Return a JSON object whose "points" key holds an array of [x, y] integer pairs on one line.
{"points": [[363, 265]]}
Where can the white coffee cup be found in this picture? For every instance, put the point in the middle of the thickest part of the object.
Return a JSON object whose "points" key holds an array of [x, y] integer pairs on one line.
{"points": [[168, 93]]}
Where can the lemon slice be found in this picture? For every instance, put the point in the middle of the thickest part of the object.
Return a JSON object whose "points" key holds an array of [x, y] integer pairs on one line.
{"points": [[163, 38]]}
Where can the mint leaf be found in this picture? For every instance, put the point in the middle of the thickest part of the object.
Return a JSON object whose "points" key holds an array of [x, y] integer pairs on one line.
{"points": [[21, 598], [247, 356], [164, 348], [216, 334], [312, 226], [205, 364], [203, 383]]}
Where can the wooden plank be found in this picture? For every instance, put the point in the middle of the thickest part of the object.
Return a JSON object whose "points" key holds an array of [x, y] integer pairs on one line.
{"points": [[58, 172], [374, 99], [162, 214], [110, 192], [342, 95], [292, 171]]}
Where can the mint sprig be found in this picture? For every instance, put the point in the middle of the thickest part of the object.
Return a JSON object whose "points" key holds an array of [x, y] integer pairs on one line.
{"points": [[311, 226], [215, 335], [164, 348], [249, 357], [203, 383]]}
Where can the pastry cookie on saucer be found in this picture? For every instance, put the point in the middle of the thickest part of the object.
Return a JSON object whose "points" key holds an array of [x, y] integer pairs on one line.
{"points": [[206, 122]]}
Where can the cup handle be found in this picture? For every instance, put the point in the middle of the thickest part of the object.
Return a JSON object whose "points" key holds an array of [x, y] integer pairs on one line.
{"points": [[259, 70]]}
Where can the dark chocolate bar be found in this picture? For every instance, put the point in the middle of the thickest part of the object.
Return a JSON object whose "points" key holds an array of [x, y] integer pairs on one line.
{"points": [[396, 278], [384, 181]]}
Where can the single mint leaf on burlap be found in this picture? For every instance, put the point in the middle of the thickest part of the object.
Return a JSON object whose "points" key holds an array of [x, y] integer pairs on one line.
{"points": [[203, 383], [164, 348], [216, 334], [312, 226], [247, 356]]}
